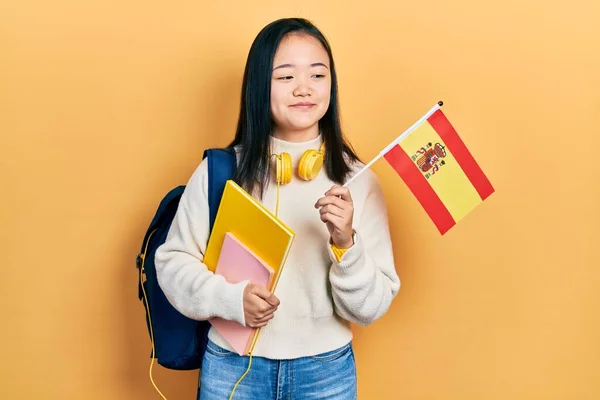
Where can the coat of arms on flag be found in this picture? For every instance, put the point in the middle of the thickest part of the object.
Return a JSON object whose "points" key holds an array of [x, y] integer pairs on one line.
{"points": [[438, 168], [429, 158]]}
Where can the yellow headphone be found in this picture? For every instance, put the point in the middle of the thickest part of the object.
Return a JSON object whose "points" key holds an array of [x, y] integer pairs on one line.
{"points": [[308, 168]]}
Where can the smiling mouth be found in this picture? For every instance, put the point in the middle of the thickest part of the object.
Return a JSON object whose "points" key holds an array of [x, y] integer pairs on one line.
{"points": [[302, 105]]}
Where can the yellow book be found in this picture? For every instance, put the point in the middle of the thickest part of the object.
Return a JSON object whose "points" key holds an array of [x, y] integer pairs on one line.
{"points": [[256, 227]]}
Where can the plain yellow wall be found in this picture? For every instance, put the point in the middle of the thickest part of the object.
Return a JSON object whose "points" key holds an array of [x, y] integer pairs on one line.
{"points": [[107, 105]]}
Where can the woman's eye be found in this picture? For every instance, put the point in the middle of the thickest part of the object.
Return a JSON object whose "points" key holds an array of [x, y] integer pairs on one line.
{"points": [[318, 76], [285, 78]]}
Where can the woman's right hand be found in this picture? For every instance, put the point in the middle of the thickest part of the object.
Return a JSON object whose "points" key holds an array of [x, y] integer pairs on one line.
{"points": [[259, 305]]}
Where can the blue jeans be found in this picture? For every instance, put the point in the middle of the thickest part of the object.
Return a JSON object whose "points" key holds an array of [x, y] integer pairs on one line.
{"points": [[330, 376]]}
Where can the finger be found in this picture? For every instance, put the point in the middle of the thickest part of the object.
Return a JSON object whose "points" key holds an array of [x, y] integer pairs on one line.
{"points": [[322, 201], [264, 309], [261, 316], [261, 292], [256, 325], [337, 211], [268, 304], [273, 300], [332, 200], [265, 319], [336, 221], [341, 203], [340, 191], [253, 324]]}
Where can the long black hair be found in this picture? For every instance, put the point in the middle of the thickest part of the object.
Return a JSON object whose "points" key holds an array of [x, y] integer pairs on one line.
{"points": [[255, 122]]}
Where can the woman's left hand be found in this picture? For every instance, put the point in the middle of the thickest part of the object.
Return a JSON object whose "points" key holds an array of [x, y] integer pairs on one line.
{"points": [[337, 211]]}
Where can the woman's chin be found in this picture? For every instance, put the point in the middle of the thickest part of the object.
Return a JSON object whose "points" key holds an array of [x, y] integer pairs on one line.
{"points": [[303, 125]]}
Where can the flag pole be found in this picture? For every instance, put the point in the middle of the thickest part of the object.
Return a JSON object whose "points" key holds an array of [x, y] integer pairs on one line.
{"points": [[396, 141]]}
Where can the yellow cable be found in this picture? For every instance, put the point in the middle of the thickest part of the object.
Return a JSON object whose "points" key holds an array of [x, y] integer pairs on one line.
{"points": [[149, 318], [277, 201], [279, 168], [243, 376]]}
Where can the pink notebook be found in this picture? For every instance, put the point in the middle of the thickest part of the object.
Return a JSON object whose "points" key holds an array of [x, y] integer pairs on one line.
{"points": [[238, 263]]}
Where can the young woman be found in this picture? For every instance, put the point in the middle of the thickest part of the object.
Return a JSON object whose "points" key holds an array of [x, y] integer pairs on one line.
{"points": [[341, 267]]}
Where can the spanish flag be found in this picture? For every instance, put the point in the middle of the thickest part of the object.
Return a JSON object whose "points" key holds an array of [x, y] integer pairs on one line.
{"points": [[438, 168]]}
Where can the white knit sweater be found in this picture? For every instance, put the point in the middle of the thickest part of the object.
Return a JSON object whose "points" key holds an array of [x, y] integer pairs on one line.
{"points": [[319, 296]]}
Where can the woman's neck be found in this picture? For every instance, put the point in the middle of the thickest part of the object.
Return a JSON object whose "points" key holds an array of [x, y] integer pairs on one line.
{"points": [[290, 135]]}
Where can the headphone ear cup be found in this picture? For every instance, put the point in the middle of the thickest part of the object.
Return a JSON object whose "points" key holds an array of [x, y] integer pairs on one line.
{"points": [[310, 164], [287, 168], [283, 168]]}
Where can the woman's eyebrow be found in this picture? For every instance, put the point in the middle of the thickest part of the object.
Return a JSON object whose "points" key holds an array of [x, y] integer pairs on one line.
{"points": [[317, 64]]}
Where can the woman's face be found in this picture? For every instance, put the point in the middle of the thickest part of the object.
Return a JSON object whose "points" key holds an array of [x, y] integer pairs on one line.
{"points": [[300, 85]]}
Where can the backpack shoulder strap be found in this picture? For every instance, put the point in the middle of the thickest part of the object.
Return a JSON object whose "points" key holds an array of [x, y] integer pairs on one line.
{"points": [[222, 165], [162, 213]]}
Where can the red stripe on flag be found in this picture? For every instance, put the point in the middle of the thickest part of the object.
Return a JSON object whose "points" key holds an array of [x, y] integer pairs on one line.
{"points": [[444, 129], [422, 190]]}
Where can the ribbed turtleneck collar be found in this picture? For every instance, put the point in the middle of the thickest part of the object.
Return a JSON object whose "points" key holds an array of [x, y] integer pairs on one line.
{"points": [[295, 149]]}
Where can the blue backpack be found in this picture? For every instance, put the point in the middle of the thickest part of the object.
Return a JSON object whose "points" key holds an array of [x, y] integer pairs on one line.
{"points": [[179, 342]]}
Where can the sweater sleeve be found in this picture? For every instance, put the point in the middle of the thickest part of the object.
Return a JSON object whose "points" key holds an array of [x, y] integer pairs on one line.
{"points": [[185, 280], [364, 282]]}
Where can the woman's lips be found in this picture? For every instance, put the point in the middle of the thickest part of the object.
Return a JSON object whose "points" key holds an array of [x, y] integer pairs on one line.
{"points": [[303, 106]]}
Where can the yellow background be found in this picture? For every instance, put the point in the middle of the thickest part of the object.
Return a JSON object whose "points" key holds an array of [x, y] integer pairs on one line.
{"points": [[106, 105]]}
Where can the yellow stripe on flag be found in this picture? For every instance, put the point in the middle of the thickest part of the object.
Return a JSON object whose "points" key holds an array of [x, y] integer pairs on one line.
{"points": [[450, 182]]}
